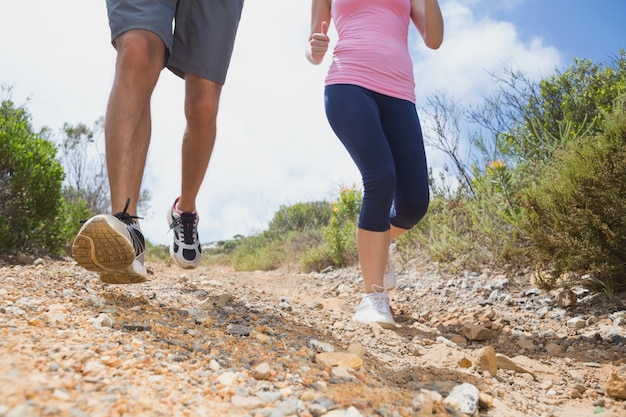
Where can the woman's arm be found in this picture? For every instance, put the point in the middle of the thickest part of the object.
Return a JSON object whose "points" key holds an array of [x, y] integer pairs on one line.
{"points": [[427, 18], [318, 41]]}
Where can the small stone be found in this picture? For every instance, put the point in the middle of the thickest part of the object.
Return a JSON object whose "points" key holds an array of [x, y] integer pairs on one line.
{"points": [[616, 387], [566, 298], [553, 348], [357, 349], [465, 363], [505, 362], [487, 360], [465, 398], [262, 372], [330, 359], [476, 332], [318, 346]]}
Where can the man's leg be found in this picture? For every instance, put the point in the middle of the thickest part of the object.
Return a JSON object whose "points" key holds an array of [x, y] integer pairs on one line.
{"points": [[127, 127], [201, 106], [113, 245]]}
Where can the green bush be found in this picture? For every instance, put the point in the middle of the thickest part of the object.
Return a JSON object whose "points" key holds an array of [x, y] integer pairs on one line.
{"points": [[464, 233], [317, 258], [339, 245], [260, 252], [292, 231], [575, 216], [30, 185], [300, 217]]}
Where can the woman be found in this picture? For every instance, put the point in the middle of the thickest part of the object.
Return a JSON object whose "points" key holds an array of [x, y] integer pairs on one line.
{"points": [[370, 105]]}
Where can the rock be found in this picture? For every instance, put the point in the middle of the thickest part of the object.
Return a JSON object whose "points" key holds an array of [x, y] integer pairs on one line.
{"points": [[342, 372], [445, 341], [458, 339], [330, 359], [526, 344], [426, 402], [576, 323], [476, 332], [464, 397], [24, 259], [357, 349], [485, 401], [487, 360], [465, 363], [227, 378], [616, 387], [262, 372], [246, 402], [318, 346], [223, 300], [505, 362], [553, 349], [566, 298]]}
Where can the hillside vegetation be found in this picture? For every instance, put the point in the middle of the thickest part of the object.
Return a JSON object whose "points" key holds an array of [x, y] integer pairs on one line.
{"points": [[539, 181]]}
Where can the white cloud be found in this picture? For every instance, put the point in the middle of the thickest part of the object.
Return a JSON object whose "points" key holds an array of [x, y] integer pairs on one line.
{"points": [[475, 47], [274, 144]]}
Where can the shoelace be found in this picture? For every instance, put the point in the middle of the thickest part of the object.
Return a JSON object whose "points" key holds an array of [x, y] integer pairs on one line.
{"points": [[379, 297], [139, 243], [392, 248], [124, 216], [379, 301], [188, 222]]}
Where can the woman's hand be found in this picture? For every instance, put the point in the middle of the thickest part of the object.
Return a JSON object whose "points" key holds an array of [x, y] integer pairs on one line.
{"points": [[318, 45]]}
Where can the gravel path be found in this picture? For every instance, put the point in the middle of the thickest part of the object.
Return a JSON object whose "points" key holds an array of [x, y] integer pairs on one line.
{"points": [[215, 342]]}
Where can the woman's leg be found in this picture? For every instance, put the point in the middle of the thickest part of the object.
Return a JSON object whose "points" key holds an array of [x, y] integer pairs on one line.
{"points": [[353, 114], [404, 134]]}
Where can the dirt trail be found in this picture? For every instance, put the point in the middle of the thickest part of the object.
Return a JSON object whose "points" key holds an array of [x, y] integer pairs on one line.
{"points": [[215, 342]]}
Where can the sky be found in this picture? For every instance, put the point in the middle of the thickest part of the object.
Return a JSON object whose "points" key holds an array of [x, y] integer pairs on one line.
{"points": [[274, 146]]}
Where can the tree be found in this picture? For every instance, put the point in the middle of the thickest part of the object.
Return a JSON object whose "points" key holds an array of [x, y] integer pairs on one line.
{"points": [[85, 167]]}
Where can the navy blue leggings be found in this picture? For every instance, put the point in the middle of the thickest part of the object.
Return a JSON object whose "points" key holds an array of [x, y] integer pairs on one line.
{"points": [[384, 138]]}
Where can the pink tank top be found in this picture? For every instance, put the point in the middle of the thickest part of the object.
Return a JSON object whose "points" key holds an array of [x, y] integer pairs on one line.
{"points": [[372, 50]]}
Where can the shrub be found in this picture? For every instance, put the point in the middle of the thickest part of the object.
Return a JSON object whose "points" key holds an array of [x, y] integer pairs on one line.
{"points": [[339, 247], [575, 214], [300, 217], [464, 232], [260, 252], [291, 232], [30, 185]]}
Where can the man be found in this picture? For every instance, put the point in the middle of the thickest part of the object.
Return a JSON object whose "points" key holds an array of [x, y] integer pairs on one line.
{"points": [[194, 39]]}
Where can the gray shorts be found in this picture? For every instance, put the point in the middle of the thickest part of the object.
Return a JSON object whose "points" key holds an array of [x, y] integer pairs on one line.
{"points": [[199, 34]]}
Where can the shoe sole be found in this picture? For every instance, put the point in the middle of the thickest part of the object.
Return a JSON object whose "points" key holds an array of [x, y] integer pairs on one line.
{"points": [[180, 264], [128, 276], [102, 246], [382, 324]]}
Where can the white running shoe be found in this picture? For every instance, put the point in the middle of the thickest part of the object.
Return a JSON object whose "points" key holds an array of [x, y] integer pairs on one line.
{"points": [[374, 308], [389, 279], [113, 246], [185, 250]]}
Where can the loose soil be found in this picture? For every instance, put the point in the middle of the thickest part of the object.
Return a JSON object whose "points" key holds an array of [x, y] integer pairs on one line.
{"points": [[217, 342]]}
